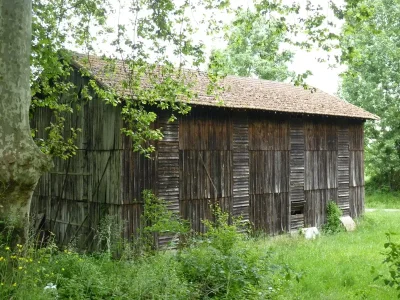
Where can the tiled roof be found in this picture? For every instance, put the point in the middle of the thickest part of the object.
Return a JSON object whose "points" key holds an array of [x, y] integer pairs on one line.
{"points": [[243, 93]]}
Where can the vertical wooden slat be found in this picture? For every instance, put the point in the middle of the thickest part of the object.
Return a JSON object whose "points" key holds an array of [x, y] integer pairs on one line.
{"points": [[240, 166], [297, 162], [168, 164], [343, 170]]}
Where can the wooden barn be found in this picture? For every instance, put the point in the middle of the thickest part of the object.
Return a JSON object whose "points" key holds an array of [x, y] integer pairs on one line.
{"points": [[272, 153]]}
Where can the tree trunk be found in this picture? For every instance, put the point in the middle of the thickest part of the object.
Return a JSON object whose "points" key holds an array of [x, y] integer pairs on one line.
{"points": [[21, 162]]}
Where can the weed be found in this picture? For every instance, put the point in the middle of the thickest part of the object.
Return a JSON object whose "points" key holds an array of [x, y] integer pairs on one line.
{"points": [[333, 223], [392, 260], [109, 235], [157, 220]]}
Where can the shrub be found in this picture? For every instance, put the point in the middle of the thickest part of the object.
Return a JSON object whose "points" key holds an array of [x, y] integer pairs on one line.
{"points": [[223, 264], [157, 220], [333, 223], [393, 262]]}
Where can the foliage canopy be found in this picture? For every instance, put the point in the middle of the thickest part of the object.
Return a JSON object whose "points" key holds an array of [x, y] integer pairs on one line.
{"points": [[253, 48], [370, 42]]}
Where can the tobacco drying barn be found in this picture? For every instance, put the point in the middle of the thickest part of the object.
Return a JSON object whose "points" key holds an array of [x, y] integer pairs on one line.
{"points": [[272, 153]]}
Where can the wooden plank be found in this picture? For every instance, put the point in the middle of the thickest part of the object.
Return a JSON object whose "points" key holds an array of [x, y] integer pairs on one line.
{"points": [[316, 204], [205, 174], [356, 136], [203, 128], [268, 133], [356, 170], [197, 210], [357, 201], [138, 174]]}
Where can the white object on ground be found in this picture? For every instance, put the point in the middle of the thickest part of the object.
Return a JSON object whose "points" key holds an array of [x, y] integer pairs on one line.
{"points": [[348, 223], [50, 286], [310, 233]]}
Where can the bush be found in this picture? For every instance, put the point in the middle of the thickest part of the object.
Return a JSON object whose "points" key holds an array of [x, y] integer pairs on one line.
{"points": [[333, 214], [223, 264]]}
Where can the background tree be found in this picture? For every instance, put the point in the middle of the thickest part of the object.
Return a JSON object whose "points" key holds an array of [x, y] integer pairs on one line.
{"points": [[21, 162], [370, 44], [254, 47]]}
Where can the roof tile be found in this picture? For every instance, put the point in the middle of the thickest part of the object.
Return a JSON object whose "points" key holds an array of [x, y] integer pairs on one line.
{"points": [[244, 93]]}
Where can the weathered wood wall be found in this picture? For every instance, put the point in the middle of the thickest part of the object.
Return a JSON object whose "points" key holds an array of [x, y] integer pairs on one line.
{"points": [[80, 191], [278, 171], [205, 164], [286, 168], [269, 146]]}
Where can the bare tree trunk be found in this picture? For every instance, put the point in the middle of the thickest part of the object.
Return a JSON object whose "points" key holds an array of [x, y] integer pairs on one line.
{"points": [[21, 162]]}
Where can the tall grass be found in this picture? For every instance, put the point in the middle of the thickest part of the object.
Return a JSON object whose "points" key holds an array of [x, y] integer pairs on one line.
{"points": [[221, 264], [339, 266]]}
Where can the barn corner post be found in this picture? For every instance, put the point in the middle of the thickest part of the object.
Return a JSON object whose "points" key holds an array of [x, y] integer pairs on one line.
{"points": [[21, 161]]}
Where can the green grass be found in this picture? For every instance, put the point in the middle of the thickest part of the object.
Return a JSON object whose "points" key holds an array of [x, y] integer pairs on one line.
{"points": [[223, 266], [382, 200], [339, 266]]}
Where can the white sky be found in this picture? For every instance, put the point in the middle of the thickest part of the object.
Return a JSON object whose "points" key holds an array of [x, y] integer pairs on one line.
{"points": [[324, 77]]}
